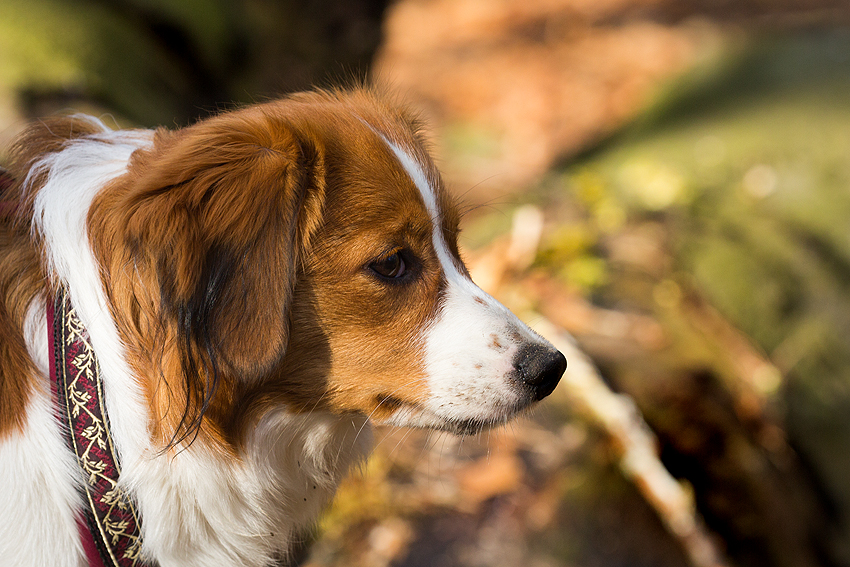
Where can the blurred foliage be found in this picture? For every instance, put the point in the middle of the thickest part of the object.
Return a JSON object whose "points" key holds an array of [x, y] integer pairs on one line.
{"points": [[721, 212], [546, 496], [746, 165], [733, 187], [160, 62]]}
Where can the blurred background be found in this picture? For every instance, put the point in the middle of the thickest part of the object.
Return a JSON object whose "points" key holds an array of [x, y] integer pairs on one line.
{"points": [[666, 180]]}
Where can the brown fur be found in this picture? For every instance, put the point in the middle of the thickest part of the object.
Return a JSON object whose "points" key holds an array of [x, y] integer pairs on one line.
{"points": [[232, 254], [235, 256], [22, 278], [20, 283]]}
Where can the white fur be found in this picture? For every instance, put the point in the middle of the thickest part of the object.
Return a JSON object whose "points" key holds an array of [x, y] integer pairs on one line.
{"points": [[197, 509], [212, 512], [470, 346], [37, 472], [75, 176]]}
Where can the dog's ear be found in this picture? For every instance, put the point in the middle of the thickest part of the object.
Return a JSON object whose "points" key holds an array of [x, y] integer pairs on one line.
{"points": [[221, 213]]}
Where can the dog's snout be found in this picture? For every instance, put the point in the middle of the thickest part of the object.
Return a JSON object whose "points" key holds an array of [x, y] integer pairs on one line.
{"points": [[540, 368]]}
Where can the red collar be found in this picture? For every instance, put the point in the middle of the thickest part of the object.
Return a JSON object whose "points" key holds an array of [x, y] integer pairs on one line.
{"points": [[109, 527]]}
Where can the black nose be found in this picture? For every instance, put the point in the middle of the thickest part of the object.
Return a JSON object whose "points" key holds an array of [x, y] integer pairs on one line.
{"points": [[540, 368]]}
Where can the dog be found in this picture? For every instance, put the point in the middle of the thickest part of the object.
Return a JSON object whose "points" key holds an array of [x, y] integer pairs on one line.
{"points": [[248, 295]]}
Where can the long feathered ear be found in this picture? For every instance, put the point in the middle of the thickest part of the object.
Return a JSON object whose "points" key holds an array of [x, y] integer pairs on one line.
{"points": [[221, 213]]}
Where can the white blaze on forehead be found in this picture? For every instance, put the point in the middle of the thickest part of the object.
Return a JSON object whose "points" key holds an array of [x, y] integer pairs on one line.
{"points": [[429, 196], [471, 346]]}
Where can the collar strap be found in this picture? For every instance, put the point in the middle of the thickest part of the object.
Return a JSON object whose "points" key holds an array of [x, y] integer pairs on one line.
{"points": [[109, 528]]}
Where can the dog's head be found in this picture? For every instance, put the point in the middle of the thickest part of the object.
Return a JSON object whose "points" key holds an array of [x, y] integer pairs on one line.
{"points": [[304, 253]]}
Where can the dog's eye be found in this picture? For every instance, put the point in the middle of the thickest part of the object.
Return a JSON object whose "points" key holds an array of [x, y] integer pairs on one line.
{"points": [[390, 267]]}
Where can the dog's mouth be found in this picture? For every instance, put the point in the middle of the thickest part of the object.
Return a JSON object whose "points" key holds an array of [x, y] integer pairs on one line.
{"points": [[404, 413], [473, 426]]}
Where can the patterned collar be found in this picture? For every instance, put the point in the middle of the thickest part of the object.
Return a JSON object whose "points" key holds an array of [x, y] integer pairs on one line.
{"points": [[109, 529]]}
